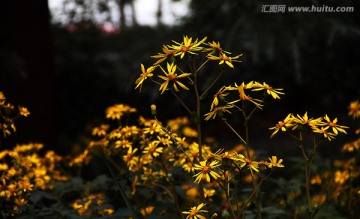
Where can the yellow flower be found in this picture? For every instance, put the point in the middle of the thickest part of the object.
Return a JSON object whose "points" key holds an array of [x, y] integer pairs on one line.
{"points": [[282, 125], [171, 76], [2, 98], [144, 75], [187, 46], [130, 159], [124, 143], [334, 126], [322, 130], [193, 213], [153, 150], [118, 110], [274, 162], [100, 130], [224, 59], [188, 167], [209, 192], [274, 92], [168, 53], [243, 96], [206, 170], [219, 110], [24, 111], [354, 109], [304, 120]]}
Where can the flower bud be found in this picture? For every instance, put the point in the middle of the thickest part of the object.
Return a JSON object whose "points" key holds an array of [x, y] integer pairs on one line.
{"points": [[153, 109]]}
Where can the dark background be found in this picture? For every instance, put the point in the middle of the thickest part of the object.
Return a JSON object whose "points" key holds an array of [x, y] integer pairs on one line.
{"points": [[68, 73]]}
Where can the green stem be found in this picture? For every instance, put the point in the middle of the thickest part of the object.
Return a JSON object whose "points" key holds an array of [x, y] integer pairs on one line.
{"points": [[202, 96], [122, 191], [172, 189], [181, 102]]}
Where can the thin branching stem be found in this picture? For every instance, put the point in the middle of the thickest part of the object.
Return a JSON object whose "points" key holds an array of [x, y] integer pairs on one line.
{"points": [[122, 191], [211, 85]]}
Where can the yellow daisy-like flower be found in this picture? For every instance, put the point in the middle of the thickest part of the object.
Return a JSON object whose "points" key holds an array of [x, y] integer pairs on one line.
{"points": [[100, 130], [187, 46], [206, 170], [153, 150], [24, 111], [334, 126], [171, 76], [224, 59], [283, 125], [144, 75], [243, 96], [219, 110], [274, 162], [274, 92], [118, 110], [305, 120], [322, 130], [354, 109], [193, 213], [168, 54]]}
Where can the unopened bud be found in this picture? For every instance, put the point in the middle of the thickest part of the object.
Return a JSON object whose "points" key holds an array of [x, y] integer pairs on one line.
{"points": [[153, 109]]}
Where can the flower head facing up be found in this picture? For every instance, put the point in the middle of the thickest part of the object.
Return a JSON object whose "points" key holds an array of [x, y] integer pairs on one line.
{"points": [[187, 46], [144, 75], [193, 213], [274, 162], [171, 76], [206, 170], [273, 92]]}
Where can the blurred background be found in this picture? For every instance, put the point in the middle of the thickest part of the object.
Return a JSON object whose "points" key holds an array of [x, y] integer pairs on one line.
{"points": [[67, 60]]}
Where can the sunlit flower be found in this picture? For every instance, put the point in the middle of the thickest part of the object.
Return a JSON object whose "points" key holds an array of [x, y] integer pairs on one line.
{"points": [[2, 98], [325, 133], [118, 110], [215, 48], [209, 192], [274, 162], [171, 76], [219, 110], [130, 159], [168, 54], [220, 97], [144, 75], [123, 143], [206, 170], [243, 96], [24, 111], [334, 126], [274, 92], [224, 59], [354, 109], [193, 213], [187, 46], [282, 125], [188, 167], [100, 130], [341, 177], [305, 120], [153, 149]]}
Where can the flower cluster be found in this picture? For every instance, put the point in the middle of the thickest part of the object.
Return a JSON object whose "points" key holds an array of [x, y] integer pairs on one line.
{"points": [[173, 77], [93, 205], [227, 97], [8, 113], [23, 170], [324, 126]]}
